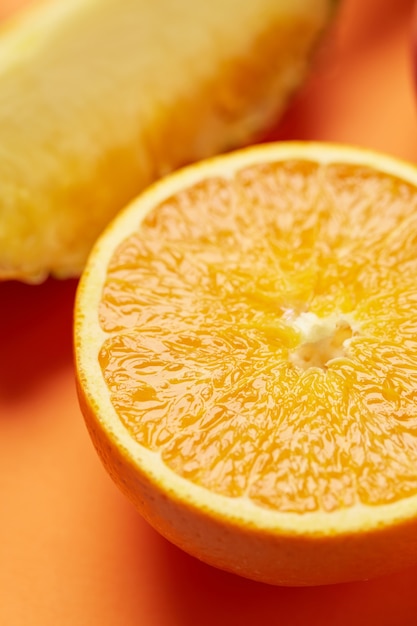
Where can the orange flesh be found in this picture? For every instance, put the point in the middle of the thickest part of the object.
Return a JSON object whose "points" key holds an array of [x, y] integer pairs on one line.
{"points": [[206, 362]]}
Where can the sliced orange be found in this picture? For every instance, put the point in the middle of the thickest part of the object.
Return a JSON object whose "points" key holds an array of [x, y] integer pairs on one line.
{"points": [[246, 354], [100, 98]]}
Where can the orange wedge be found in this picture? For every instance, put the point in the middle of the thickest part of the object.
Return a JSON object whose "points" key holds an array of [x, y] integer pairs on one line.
{"points": [[99, 98], [246, 355]]}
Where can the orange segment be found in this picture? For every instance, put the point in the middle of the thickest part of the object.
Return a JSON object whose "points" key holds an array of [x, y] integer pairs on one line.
{"points": [[251, 323]]}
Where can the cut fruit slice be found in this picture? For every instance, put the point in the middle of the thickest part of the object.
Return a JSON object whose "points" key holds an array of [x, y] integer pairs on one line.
{"points": [[246, 341], [100, 97]]}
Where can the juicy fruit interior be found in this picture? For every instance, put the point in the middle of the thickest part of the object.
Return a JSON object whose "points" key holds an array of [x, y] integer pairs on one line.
{"points": [[262, 335], [105, 97]]}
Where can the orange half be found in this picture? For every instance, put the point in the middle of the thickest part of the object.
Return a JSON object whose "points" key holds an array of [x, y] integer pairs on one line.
{"points": [[246, 353]]}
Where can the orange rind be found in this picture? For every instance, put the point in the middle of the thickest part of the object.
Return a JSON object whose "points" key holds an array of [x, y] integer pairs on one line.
{"points": [[245, 341]]}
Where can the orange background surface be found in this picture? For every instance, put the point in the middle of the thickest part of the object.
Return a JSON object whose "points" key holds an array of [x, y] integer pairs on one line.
{"points": [[72, 549]]}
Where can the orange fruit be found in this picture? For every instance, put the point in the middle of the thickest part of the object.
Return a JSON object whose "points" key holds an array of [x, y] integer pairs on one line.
{"points": [[246, 357], [98, 99]]}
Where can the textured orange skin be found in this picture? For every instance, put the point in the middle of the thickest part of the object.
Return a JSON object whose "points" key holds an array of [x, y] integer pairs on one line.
{"points": [[278, 559]]}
